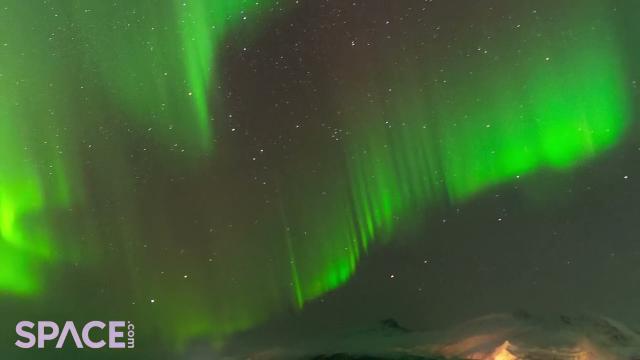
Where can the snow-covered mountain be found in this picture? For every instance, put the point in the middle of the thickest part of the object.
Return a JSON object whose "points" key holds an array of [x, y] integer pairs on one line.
{"points": [[517, 336]]}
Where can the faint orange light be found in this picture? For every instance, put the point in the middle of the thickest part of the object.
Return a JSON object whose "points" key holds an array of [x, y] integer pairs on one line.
{"points": [[502, 353]]}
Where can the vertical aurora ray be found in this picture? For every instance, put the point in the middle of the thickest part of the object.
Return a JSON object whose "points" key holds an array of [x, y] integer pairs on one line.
{"points": [[162, 67], [293, 265], [553, 105]]}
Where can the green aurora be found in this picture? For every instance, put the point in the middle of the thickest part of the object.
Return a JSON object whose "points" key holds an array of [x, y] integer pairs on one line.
{"points": [[553, 105], [162, 67], [137, 63], [561, 103]]}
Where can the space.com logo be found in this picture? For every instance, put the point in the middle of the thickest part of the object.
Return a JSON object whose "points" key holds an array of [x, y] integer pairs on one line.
{"points": [[119, 335]]}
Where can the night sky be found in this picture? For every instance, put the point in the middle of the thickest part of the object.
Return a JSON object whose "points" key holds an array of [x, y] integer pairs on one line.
{"points": [[237, 175]]}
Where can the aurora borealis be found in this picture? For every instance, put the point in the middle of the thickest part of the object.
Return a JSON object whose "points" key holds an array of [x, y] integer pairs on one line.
{"points": [[559, 107], [210, 168]]}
